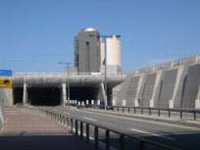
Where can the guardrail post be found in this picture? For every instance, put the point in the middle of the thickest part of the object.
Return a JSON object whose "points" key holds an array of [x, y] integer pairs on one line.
{"points": [[121, 142], [65, 122], [149, 111], [128, 109], [169, 113], [159, 112], [181, 114], [195, 115], [141, 110], [68, 122], [141, 145], [123, 109], [71, 125], [87, 132], [107, 140], [117, 108], [81, 130], [76, 127], [134, 109], [96, 137]]}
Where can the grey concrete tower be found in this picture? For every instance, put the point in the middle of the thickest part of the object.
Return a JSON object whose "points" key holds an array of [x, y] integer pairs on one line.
{"points": [[87, 50]]}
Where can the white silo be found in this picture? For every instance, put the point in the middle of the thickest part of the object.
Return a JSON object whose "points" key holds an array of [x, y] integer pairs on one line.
{"points": [[113, 48]]}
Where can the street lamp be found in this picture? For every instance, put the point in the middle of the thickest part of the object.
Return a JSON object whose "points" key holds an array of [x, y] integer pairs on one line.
{"points": [[68, 82], [104, 38]]}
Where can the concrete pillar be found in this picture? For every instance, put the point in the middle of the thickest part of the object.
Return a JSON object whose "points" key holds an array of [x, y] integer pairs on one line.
{"points": [[83, 103], [156, 88], [114, 102], [92, 102], [171, 103], [197, 101], [176, 86], [25, 94], [139, 88], [102, 93], [98, 102], [151, 103], [64, 94], [124, 102], [87, 102]]}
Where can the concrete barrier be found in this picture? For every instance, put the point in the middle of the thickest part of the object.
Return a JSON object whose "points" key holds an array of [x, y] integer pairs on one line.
{"points": [[171, 85]]}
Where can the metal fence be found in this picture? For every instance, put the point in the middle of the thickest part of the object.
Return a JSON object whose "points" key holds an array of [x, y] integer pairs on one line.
{"points": [[82, 129], [158, 112]]}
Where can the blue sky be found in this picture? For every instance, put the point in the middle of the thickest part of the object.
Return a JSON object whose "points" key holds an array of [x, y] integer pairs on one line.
{"points": [[37, 34]]}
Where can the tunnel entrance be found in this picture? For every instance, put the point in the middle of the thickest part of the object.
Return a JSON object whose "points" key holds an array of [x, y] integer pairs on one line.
{"points": [[17, 95], [50, 96], [84, 93]]}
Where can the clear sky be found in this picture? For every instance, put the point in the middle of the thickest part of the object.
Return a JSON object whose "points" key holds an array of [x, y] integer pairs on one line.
{"points": [[37, 34]]}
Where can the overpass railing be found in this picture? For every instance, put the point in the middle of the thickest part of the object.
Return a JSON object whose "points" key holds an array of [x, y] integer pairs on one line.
{"points": [[64, 73], [76, 126]]}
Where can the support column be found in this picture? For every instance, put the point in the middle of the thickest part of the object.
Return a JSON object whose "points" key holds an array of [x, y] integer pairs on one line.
{"points": [[64, 94], [179, 75], [25, 94], [197, 101], [102, 93], [139, 88], [153, 101]]}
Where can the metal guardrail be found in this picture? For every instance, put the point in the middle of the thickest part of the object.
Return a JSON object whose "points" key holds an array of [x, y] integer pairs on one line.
{"points": [[72, 124], [140, 110]]}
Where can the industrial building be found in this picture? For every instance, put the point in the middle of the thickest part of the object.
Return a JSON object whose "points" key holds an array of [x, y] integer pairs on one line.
{"points": [[90, 48], [112, 46], [87, 50]]}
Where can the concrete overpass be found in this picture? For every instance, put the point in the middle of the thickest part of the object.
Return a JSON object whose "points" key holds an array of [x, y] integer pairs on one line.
{"points": [[51, 88]]}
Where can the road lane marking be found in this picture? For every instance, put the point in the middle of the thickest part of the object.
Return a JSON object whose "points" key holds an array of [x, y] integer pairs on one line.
{"points": [[91, 119], [154, 134], [142, 120]]}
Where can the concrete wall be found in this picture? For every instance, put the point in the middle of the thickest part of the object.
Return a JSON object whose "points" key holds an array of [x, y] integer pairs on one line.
{"points": [[167, 88], [171, 85], [148, 90], [6, 95], [1, 114], [191, 86], [131, 91]]}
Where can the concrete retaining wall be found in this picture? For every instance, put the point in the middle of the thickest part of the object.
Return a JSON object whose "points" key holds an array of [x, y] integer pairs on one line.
{"points": [[148, 90], [171, 85]]}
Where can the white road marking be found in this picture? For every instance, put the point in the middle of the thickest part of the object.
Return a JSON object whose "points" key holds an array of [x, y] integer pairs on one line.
{"points": [[142, 120], [91, 119], [154, 134]]}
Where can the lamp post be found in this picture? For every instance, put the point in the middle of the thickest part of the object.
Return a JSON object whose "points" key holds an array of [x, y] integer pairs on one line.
{"points": [[104, 38], [68, 77]]}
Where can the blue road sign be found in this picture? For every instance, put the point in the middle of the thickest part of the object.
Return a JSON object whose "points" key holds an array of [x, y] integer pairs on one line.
{"points": [[5, 73]]}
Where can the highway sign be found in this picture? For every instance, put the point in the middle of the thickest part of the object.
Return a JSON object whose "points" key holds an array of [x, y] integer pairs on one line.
{"points": [[5, 83], [5, 73]]}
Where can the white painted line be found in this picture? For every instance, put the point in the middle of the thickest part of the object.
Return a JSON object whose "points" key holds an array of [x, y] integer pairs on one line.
{"points": [[91, 119], [154, 134], [142, 120]]}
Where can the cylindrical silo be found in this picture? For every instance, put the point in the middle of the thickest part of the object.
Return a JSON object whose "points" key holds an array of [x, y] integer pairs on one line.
{"points": [[113, 48], [113, 45]]}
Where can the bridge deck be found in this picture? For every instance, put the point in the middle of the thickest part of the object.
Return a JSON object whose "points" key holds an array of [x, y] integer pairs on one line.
{"points": [[25, 131]]}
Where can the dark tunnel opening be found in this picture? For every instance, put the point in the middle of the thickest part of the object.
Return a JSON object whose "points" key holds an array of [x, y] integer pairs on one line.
{"points": [[83, 93], [17, 95], [50, 96]]}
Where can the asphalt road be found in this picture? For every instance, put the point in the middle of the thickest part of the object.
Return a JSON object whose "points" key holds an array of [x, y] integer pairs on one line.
{"points": [[177, 136]]}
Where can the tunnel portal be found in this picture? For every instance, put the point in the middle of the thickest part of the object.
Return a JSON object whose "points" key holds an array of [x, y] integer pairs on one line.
{"points": [[50, 96]]}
